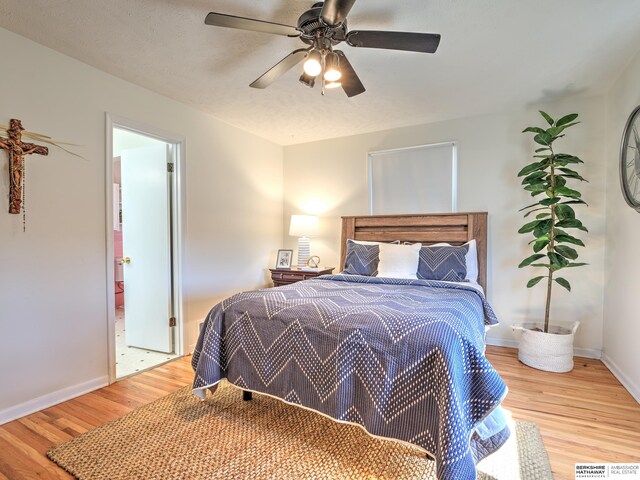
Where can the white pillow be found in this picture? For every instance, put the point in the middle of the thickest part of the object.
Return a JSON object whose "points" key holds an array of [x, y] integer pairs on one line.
{"points": [[471, 259], [365, 242], [399, 261]]}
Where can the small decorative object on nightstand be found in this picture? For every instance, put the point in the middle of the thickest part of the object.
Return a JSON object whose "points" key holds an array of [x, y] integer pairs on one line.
{"points": [[293, 275], [283, 260], [313, 261]]}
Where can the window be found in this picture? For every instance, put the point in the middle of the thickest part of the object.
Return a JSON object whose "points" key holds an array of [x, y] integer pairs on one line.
{"points": [[420, 179]]}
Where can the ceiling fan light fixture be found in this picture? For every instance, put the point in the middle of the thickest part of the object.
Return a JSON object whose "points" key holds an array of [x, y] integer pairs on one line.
{"points": [[307, 80], [321, 28], [313, 64], [332, 67]]}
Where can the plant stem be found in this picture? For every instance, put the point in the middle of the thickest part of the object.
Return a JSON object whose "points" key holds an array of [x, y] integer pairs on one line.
{"points": [[550, 249]]}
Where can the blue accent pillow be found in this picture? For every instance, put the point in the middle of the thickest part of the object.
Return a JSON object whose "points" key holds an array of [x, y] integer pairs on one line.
{"points": [[443, 263], [361, 259]]}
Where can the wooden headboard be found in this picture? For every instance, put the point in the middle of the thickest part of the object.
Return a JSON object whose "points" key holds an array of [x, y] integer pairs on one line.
{"points": [[453, 228]]}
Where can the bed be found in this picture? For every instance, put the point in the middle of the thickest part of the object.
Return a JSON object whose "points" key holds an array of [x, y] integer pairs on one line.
{"points": [[401, 357]]}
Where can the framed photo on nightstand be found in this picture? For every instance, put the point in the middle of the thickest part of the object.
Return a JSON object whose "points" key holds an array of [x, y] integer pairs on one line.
{"points": [[284, 259]]}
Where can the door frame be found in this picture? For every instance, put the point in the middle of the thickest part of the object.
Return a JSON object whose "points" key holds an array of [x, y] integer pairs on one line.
{"points": [[178, 199]]}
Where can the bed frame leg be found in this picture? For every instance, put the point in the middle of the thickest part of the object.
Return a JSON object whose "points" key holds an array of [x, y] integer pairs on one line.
{"points": [[246, 395]]}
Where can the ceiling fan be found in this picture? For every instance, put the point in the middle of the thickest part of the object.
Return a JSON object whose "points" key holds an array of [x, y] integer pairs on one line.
{"points": [[322, 27]]}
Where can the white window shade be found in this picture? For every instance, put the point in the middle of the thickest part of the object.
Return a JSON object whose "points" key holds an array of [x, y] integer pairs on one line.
{"points": [[418, 179]]}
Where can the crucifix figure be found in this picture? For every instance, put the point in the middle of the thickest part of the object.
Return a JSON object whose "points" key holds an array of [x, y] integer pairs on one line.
{"points": [[17, 151]]}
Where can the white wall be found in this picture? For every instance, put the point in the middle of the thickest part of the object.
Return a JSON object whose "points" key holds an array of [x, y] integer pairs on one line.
{"points": [[329, 178], [621, 312], [53, 277]]}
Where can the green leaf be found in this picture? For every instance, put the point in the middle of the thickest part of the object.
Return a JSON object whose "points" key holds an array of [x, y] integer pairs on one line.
{"points": [[529, 227], [567, 192], [564, 211], [575, 202], [534, 176], [566, 252], [568, 171], [577, 264], [534, 130], [536, 187], [564, 238], [555, 131], [529, 206], [566, 119], [541, 265], [532, 167], [547, 117], [549, 201], [557, 259], [535, 210], [560, 181], [555, 267], [534, 281], [543, 138], [571, 223], [540, 244], [563, 282], [530, 260], [572, 174], [543, 228], [564, 157], [536, 181], [538, 150], [541, 215]]}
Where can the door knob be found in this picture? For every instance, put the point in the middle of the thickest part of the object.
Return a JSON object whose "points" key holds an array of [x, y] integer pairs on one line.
{"points": [[124, 260]]}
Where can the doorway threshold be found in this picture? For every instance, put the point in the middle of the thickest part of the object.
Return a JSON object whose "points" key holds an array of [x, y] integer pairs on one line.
{"points": [[132, 360]]}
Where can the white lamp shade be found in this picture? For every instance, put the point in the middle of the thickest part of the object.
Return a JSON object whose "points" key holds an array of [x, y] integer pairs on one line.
{"points": [[303, 226]]}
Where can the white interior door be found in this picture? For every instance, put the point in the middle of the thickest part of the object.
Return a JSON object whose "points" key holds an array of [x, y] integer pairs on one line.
{"points": [[146, 243]]}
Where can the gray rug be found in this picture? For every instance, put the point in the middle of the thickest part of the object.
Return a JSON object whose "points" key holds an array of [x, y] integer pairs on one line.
{"points": [[181, 437]]}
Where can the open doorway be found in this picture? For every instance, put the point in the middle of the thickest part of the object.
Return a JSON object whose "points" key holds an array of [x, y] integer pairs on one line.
{"points": [[144, 301]]}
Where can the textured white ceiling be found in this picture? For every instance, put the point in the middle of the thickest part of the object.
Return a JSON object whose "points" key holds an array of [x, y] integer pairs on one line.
{"points": [[494, 55]]}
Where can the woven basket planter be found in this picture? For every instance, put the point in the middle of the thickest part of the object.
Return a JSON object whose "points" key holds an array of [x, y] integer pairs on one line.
{"points": [[551, 352]]}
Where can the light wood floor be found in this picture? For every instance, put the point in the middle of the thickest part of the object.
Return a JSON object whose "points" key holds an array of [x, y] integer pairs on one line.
{"points": [[584, 416]]}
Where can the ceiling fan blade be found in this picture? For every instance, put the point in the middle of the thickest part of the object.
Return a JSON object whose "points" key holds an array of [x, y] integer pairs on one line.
{"points": [[280, 68], [334, 12], [231, 21], [409, 41], [351, 84]]}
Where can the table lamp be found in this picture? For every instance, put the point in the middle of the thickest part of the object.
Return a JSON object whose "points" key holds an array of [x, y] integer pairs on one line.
{"points": [[303, 227]]}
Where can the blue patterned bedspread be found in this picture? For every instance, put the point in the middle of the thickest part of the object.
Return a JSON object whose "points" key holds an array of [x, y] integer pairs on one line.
{"points": [[402, 358]]}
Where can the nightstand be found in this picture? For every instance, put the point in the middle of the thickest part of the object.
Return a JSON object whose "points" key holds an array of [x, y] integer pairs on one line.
{"points": [[286, 276]]}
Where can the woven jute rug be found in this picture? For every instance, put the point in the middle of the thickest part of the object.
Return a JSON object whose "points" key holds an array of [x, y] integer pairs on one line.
{"points": [[181, 437]]}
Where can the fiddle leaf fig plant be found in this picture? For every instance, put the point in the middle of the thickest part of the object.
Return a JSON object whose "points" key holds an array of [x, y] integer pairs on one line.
{"points": [[547, 178]]}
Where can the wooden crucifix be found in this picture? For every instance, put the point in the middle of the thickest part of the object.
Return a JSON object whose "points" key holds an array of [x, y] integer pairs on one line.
{"points": [[17, 151]]}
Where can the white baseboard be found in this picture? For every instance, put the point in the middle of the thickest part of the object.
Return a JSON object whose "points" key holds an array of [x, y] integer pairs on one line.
{"points": [[578, 352], [50, 399], [624, 379]]}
